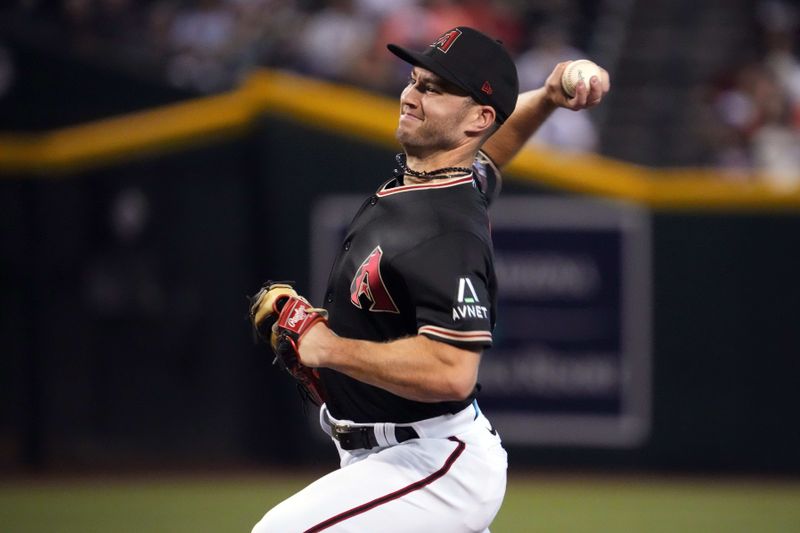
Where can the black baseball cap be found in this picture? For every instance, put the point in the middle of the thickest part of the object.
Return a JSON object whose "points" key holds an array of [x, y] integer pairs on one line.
{"points": [[472, 61]]}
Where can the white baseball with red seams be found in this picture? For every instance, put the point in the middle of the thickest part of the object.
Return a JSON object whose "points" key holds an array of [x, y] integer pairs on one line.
{"points": [[577, 71], [393, 487]]}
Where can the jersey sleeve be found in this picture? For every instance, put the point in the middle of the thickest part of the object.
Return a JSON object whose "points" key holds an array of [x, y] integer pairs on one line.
{"points": [[450, 285], [488, 176]]}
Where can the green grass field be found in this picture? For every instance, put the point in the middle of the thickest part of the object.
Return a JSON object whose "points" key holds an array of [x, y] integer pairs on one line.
{"points": [[533, 504]]}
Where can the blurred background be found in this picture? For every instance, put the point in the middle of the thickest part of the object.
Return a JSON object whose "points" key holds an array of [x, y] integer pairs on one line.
{"points": [[160, 159]]}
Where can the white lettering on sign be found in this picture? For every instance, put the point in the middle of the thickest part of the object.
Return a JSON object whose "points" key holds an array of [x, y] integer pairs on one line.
{"points": [[547, 275], [543, 372]]}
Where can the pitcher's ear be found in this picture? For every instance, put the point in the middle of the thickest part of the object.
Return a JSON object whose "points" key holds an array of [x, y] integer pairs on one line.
{"points": [[483, 119]]}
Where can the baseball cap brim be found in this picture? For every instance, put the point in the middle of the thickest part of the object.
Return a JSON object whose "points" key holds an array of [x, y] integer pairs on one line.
{"points": [[428, 62]]}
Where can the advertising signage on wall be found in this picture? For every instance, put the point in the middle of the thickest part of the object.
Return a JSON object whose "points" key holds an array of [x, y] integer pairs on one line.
{"points": [[571, 361], [570, 364]]}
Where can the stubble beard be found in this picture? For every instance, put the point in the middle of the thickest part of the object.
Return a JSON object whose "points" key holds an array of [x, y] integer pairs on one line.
{"points": [[424, 140]]}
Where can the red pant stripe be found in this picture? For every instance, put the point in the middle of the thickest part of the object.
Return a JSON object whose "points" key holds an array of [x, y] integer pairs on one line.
{"points": [[341, 517]]}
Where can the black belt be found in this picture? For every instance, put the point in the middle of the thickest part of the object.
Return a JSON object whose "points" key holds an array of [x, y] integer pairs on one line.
{"points": [[363, 437]]}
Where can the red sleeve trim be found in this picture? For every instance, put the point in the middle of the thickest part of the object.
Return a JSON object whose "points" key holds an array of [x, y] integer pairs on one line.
{"points": [[481, 336]]}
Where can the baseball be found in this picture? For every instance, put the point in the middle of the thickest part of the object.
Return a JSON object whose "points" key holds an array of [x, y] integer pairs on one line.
{"points": [[582, 69]]}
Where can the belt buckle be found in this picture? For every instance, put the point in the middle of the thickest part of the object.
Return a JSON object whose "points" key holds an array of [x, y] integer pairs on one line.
{"points": [[350, 437], [339, 428]]}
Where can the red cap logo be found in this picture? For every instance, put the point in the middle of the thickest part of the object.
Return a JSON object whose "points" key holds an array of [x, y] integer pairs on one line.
{"points": [[487, 88], [446, 40]]}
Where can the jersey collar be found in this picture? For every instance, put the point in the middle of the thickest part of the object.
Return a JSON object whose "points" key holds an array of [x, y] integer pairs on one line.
{"points": [[438, 184]]}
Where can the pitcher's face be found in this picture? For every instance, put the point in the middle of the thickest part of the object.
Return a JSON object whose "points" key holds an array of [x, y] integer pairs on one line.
{"points": [[432, 112]]}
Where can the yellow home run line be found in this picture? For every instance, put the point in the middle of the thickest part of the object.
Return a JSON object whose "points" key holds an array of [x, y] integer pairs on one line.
{"points": [[368, 117]]}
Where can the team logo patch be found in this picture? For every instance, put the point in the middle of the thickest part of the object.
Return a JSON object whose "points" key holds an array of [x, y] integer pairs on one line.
{"points": [[467, 304], [446, 40], [368, 284]]}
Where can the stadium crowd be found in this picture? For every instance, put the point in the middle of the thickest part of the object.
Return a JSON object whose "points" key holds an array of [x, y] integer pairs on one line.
{"points": [[210, 45], [754, 107], [750, 111]]}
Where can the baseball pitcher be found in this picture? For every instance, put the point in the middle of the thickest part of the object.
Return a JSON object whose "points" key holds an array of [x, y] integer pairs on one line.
{"points": [[391, 356]]}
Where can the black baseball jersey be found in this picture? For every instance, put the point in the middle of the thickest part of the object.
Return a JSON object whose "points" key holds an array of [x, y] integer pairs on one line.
{"points": [[417, 259]]}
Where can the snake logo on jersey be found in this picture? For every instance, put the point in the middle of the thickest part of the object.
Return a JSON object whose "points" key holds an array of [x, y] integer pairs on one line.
{"points": [[368, 283]]}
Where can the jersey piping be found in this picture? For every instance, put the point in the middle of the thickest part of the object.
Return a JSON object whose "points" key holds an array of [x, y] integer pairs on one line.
{"points": [[421, 186], [479, 336]]}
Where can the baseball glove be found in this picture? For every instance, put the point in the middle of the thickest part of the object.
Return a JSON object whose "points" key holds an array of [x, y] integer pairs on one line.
{"points": [[281, 317]]}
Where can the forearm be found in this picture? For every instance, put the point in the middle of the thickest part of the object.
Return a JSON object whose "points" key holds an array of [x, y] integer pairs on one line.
{"points": [[416, 368], [533, 108]]}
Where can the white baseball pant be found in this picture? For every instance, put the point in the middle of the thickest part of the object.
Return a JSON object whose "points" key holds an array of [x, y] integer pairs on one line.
{"points": [[450, 480]]}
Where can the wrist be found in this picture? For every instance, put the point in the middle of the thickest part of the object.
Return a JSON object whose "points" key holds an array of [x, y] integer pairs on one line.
{"points": [[336, 348], [549, 101], [319, 345]]}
